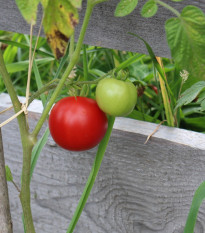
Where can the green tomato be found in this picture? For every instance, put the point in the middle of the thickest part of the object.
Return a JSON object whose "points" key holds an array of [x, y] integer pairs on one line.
{"points": [[116, 97]]}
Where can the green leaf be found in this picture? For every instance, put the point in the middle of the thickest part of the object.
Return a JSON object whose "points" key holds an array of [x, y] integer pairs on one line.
{"points": [[37, 150], [203, 105], [186, 39], [149, 9], [59, 23], [28, 9], [9, 176], [142, 117], [44, 3], [23, 65], [201, 97], [76, 3], [125, 7], [25, 46], [39, 82], [194, 123], [177, 0], [196, 202], [190, 94]]}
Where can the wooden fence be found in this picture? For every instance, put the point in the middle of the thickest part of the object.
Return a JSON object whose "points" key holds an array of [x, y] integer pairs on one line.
{"points": [[141, 188], [106, 30]]}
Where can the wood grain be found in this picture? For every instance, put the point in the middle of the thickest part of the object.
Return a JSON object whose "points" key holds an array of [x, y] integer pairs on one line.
{"points": [[105, 30], [140, 188]]}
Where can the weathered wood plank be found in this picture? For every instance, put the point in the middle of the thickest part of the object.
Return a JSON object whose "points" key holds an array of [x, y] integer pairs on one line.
{"points": [[108, 31], [140, 188]]}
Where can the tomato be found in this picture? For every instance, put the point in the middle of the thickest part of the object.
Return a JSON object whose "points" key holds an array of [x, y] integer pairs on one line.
{"points": [[77, 123], [116, 97]]}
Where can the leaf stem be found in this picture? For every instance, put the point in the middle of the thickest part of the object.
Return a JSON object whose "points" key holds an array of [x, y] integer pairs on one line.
{"points": [[93, 174], [173, 10]]}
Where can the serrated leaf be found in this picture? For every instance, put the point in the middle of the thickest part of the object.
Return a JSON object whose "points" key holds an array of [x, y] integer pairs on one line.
{"points": [[125, 7], [203, 105], [190, 94], [201, 97], [186, 39], [59, 22], [149, 9], [9, 176], [28, 9]]}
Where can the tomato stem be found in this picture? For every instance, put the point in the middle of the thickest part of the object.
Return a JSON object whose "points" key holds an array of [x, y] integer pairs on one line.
{"points": [[73, 60], [173, 10], [93, 174]]}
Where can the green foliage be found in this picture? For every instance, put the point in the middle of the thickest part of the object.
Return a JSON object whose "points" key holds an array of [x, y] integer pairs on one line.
{"points": [[28, 9], [9, 176], [190, 94], [125, 7], [196, 202], [37, 150], [186, 36], [149, 9], [76, 3], [92, 176]]}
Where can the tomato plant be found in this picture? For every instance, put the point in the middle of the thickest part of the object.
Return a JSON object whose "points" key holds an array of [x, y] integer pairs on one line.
{"points": [[77, 123], [116, 97]]}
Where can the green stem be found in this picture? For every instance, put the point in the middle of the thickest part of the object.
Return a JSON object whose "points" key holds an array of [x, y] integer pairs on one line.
{"points": [[9, 85], [85, 64], [168, 7], [93, 174], [73, 61], [72, 45], [27, 144], [25, 195]]}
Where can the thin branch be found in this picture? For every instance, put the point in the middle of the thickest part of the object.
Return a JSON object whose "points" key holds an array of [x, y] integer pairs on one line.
{"points": [[5, 215]]}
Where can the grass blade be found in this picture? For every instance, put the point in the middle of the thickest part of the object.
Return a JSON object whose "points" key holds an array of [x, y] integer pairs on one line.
{"points": [[23, 65], [167, 106], [91, 179], [196, 202], [25, 46], [39, 82], [37, 150]]}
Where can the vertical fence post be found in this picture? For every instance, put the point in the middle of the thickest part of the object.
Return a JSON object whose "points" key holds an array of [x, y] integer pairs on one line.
{"points": [[5, 216]]}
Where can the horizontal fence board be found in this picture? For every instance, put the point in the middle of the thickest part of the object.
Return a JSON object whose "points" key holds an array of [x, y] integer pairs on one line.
{"points": [[105, 30], [141, 188]]}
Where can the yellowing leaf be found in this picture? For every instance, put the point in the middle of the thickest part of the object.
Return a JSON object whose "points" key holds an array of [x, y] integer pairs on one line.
{"points": [[59, 22], [28, 9]]}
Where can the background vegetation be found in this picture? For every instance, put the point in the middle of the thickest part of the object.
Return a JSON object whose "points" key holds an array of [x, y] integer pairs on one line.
{"points": [[151, 105]]}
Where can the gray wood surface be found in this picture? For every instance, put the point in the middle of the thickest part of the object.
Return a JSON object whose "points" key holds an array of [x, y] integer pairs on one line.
{"points": [[108, 31], [140, 188]]}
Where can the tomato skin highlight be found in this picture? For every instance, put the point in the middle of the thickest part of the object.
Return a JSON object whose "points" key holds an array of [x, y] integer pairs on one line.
{"points": [[77, 123], [116, 97]]}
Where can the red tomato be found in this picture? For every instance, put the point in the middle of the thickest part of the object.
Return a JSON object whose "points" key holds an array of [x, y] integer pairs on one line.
{"points": [[77, 123]]}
